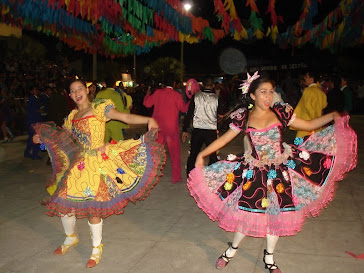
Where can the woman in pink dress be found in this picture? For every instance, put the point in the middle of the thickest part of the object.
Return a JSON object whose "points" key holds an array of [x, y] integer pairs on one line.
{"points": [[270, 190]]}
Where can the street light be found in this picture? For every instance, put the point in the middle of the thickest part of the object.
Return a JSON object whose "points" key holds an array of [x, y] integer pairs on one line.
{"points": [[187, 6]]}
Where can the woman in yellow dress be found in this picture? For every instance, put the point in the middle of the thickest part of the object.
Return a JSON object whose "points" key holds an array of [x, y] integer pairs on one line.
{"points": [[92, 179]]}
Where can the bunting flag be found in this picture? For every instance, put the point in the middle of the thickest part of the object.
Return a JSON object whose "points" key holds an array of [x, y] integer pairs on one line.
{"points": [[273, 30], [122, 27]]}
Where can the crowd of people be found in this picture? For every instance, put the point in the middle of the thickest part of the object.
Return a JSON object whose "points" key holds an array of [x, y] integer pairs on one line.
{"points": [[265, 190], [19, 77]]}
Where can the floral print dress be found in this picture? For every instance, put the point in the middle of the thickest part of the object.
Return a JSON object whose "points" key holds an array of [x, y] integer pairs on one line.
{"points": [[91, 178], [273, 187]]}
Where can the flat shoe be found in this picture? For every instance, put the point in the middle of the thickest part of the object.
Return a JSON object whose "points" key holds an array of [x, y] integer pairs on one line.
{"points": [[95, 258], [62, 249]]}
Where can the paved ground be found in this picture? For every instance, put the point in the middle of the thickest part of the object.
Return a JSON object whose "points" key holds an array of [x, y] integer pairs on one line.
{"points": [[167, 232]]}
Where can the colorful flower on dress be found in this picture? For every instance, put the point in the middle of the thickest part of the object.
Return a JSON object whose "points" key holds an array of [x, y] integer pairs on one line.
{"points": [[237, 166], [228, 186], [113, 142], [104, 156], [269, 182], [230, 177], [81, 165], [121, 171], [304, 155], [264, 202], [115, 153], [307, 170], [289, 108], [280, 188], [42, 147], [298, 141], [291, 164], [249, 174], [285, 175], [231, 157], [327, 163], [247, 185], [102, 172], [272, 174], [250, 106], [87, 191]]}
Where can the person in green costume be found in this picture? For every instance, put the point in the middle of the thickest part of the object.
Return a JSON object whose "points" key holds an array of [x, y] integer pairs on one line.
{"points": [[114, 128]]}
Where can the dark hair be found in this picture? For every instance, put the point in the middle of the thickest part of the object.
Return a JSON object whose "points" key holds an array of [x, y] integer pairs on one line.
{"points": [[336, 80], [245, 98], [208, 82], [345, 76], [77, 80], [312, 75], [169, 81], [110, 81]]}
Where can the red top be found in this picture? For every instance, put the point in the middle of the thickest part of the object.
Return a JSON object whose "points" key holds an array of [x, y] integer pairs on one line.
{"points": [[167, 105]]}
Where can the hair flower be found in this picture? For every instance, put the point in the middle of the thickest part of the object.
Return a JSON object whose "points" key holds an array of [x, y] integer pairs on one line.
{"points": [[246, 83]]}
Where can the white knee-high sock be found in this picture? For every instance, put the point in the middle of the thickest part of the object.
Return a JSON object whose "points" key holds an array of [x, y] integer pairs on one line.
{"points": [[96, 236], [271, 244], [238, 237], [69, 223]]}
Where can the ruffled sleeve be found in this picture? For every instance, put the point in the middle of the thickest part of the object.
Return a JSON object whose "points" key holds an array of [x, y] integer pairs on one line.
{"points": [[68, 120], [101, 108], [239, 119], [284, 112]]}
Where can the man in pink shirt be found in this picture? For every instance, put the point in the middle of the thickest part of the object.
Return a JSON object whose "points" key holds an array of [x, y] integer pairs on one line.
{"points": [[167, 104]]}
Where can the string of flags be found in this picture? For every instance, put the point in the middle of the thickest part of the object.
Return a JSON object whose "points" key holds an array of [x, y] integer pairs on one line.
{"points": [[122, 27]]}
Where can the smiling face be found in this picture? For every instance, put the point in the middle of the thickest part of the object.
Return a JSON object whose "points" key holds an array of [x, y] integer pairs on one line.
{"points": [[78, 93], [263, 95]]}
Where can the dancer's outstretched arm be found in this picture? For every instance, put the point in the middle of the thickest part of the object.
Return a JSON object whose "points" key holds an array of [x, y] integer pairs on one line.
{"points": [[310, 125], [216, 145]]}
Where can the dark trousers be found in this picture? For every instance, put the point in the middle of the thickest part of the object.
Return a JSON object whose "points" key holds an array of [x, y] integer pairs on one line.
{"points": [[30, 145], [198, 138]]}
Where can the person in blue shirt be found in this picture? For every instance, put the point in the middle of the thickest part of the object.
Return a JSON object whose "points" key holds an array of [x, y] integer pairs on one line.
{"points": [[34, 115]]}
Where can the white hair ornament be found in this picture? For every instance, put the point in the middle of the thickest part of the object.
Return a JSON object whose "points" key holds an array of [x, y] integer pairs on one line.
{"points": [[246, 83]]}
